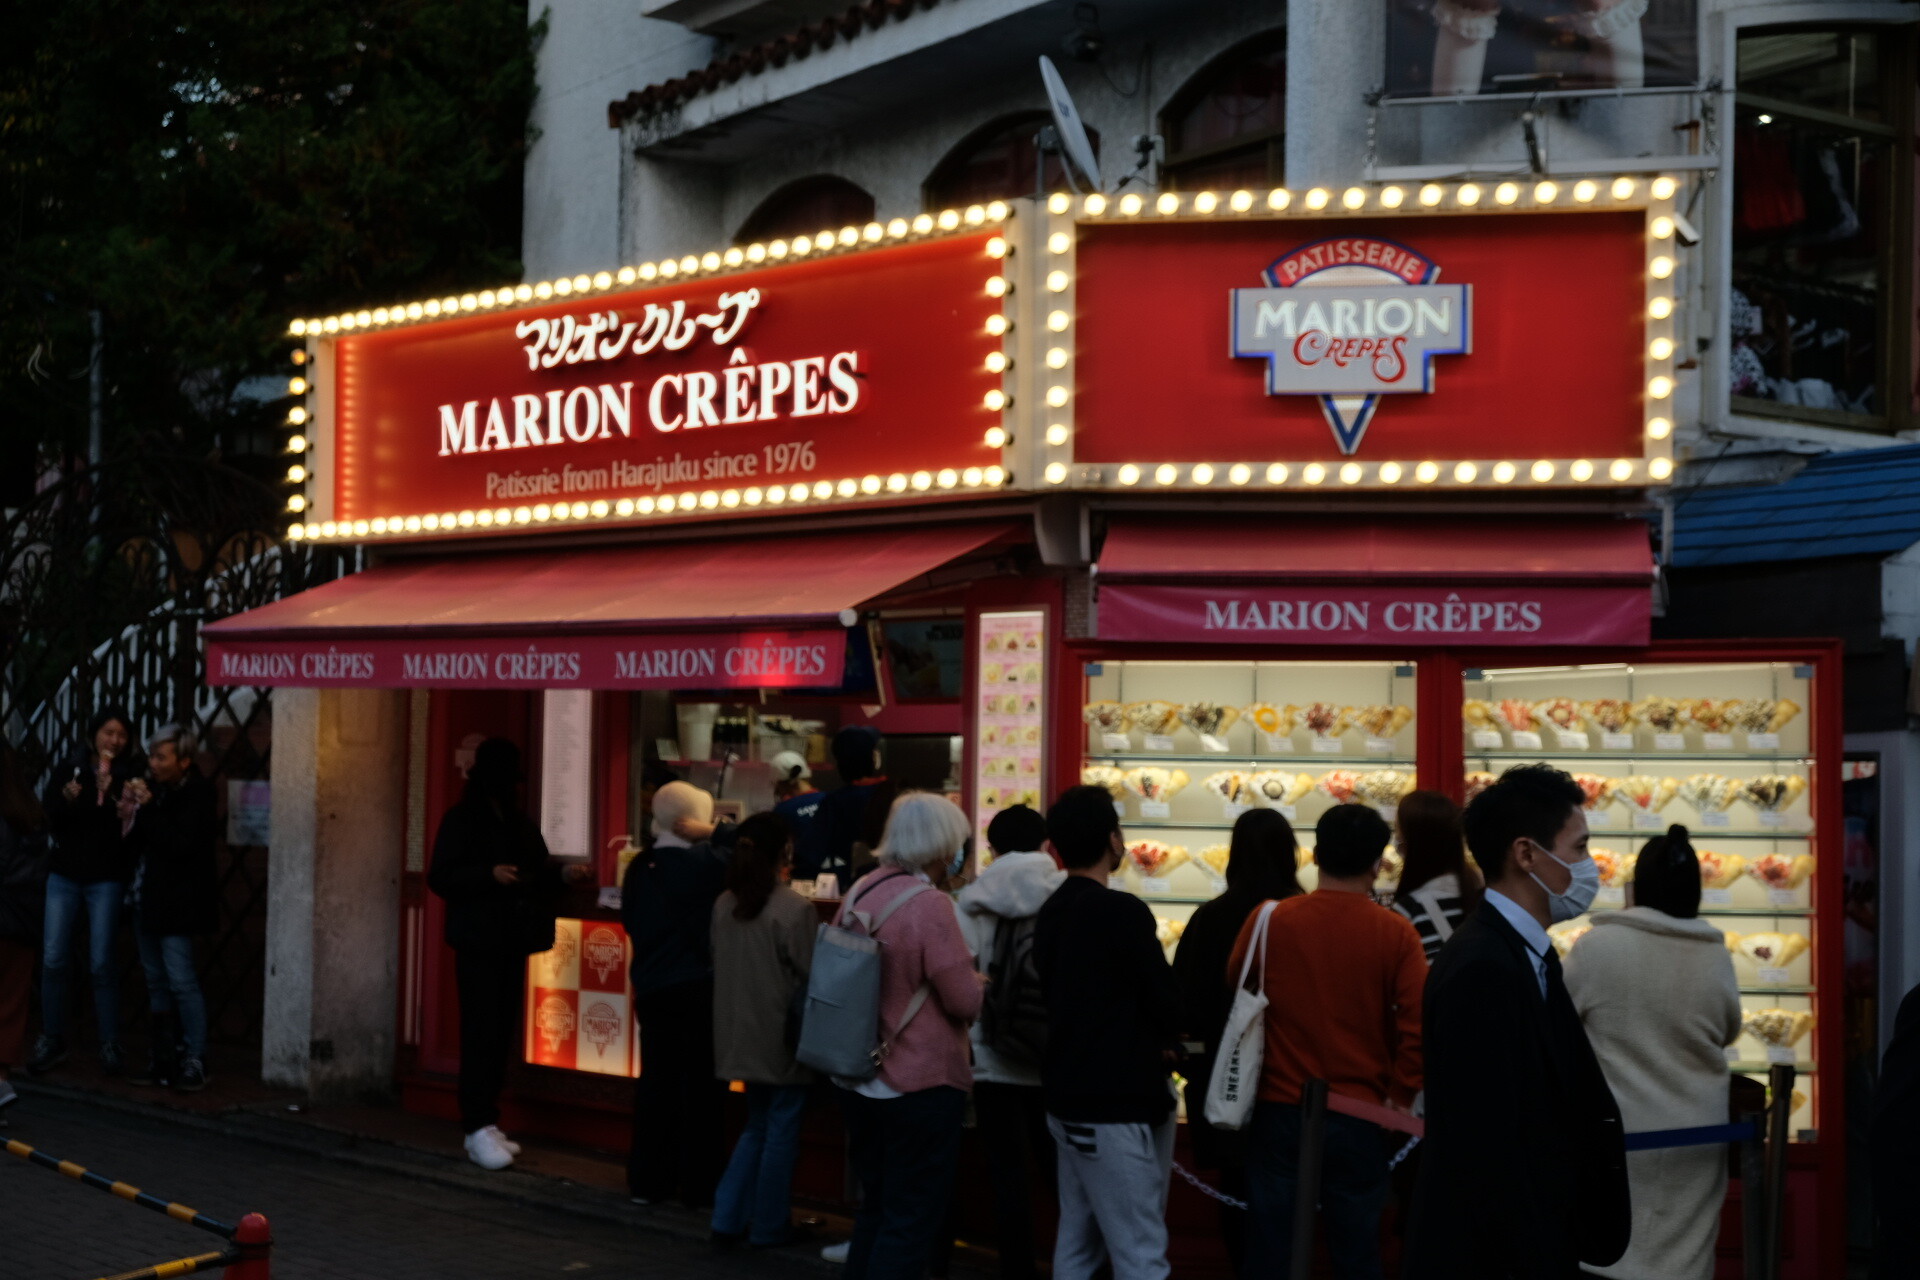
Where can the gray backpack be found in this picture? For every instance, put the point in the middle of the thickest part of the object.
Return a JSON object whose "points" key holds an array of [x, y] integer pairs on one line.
{"points": [[840, 1032]]}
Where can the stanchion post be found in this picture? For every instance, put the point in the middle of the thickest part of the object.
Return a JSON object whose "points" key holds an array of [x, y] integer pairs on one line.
{"points": [[254, 1239], [1306, 1187], [1780, 1079], [1753, 1199]]}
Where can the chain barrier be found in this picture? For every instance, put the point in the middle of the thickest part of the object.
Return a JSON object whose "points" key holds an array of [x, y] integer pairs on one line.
{"points": [[1205, 1190]]}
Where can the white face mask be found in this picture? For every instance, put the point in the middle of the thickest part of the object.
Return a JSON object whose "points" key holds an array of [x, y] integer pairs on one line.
{"points": [[1580, 892]]}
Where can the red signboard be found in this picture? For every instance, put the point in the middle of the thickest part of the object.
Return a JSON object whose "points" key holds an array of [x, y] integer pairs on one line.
{"points": [[1521, 336], [830, 369]]}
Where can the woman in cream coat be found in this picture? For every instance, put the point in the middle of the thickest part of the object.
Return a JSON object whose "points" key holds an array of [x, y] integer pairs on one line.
{"points": [[1654, 985]]}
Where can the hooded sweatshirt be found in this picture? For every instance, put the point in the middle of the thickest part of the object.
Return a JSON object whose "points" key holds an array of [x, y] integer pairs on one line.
{"points": [[1013, 887]]}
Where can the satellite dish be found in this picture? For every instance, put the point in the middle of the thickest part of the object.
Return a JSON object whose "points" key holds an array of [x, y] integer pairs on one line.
{"points": [[1074, 145]]}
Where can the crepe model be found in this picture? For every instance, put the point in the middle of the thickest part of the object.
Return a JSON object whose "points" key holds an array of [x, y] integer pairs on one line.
{"points": [[1609, 715], [1107, 717], [1779, 1027], [1609, 863], [1324, 720], [1167, 931], [1709, 792], [1772, 950], [1208, 717], [1648, 794], [1795, 1100], [1151, 782], [1718, 870], [1276, 721], [1517, 713], [1772, 792], [1565, 935], [1229, 784], [1383, 787], [1761, 715], [1622, 872], [1302, 858], [1215, 856], [1382, 721], [1152, 858], [1156, 718], [1597, 789], [1391, 866], [1732, 940], [1561, 713], [1659, 714], [1477, 781], [1278, 788], [1341, 784], [1477, 713], [1109, 779], [1708, 714], [1778, 871]]}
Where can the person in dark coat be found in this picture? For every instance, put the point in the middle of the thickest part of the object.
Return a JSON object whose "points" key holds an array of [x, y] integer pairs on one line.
{"points": [[1896, 1134], [88, 875], [1525, 1172], [23, 889], [1261, 865], [856, 812], [172, 829], [491, 865], [666, 904]]}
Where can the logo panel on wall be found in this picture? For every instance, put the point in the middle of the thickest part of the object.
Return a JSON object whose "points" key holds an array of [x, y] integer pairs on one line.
{"points": [[1349, 320]]}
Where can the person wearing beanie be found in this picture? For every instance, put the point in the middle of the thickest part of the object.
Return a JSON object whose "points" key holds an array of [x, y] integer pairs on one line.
{"points": [[797, 801], [501, 887], [666, 904], [1655, 987], [855, 814]]}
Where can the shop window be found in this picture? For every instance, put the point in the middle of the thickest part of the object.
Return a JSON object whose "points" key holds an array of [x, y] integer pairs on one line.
{"points": [[999, 162], [1813, 221], [820, 203], [1226, 128]]}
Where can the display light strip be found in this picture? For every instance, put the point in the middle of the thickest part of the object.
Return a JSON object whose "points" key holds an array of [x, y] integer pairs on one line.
{"points": [[1655, 465]]}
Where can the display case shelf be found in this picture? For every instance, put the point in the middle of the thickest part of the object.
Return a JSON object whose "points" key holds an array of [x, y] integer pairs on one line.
{"points": [[1776, 991], [1226, 758], [1761, 1068], [1554, 754], [1701, 835], [1171, 824], [1800, 911]]}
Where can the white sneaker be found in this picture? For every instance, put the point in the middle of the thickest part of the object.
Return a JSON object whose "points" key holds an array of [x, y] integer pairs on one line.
{"points": [[485, 1149], [513, 1148], [837, 1252]]}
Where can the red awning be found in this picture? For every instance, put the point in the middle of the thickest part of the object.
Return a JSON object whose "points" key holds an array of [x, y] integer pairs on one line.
{"points": [[1334, 580], [744, 612]]}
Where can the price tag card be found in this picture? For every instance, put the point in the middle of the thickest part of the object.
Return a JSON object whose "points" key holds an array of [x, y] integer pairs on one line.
{"points": [[1120, 807], [1716, 741], [1155, 884], [1379, 746], [1278, 744], [1610, 896], [1781, 1054], [1527, 740], [1572, 740], [1231, 811], [1602, 817], [1783, 897], [1328, 746], [1116, 742], [1218, 881], [1616, 742], [1210, 743], [1388, 811], [1715, 820], [1763, 742], [1159, 742], [1774, 977], [1669, 742], [609, 899], [1771, 818], [1716, 897], [1290, 813], [1644, 821], [1155, 809], [1486, 739], [1732, 1052]]}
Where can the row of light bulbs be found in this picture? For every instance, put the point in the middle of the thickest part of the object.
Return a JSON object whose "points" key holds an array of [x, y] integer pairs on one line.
{"points": [[1432, 195], [1204, 474]]}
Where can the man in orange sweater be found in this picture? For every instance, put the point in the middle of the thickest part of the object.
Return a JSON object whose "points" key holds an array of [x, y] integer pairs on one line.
{"points": [[1343, 979]]}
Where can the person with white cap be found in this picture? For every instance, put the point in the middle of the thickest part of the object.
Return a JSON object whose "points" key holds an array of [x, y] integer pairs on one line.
{"points": [[797, 801], [667, 907]]}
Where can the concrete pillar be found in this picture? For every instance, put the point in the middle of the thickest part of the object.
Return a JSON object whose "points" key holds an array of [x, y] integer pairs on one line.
{"points": [[333, 890], [1335, 53]]}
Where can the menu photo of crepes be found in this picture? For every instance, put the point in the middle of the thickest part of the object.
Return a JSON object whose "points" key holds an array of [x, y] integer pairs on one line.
{"points": [[1010, 718]]}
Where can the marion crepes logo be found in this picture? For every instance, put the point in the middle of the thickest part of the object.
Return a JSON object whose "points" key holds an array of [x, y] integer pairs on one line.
{"points": [[1349, 320], [605, 951]]}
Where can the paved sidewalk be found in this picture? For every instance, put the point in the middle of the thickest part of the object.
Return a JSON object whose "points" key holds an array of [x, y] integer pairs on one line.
{"points": [[343, 1212]]}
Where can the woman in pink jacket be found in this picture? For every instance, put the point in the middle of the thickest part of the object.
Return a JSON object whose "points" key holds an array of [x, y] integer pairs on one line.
{"points": [[903, 1125]]}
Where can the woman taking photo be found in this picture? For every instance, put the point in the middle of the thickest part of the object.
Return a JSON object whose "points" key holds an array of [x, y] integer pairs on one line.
{"points": [[1438, 887], [1655, 987], [1262, 864], [762, 951]]}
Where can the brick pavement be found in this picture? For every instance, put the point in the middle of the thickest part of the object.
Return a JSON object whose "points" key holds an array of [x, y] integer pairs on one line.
{"points": [[332, 1219]]}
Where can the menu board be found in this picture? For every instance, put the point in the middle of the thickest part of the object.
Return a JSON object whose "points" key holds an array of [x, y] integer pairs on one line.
{"points": [[566, 772], [1012, 666], [579, 1005]]}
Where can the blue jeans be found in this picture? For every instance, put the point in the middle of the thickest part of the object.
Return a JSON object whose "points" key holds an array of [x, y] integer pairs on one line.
{"points": [[173, 985], [65, 899], [1353, 1191], [904, 1151], [753, 1196]]}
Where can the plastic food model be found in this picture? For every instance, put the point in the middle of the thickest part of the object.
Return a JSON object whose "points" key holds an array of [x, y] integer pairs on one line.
{"points": [[1151, 782], [1477, 781], [1772, 950], [1302, 859], [1708, 713], [1156, 718], [1477, 713], [1565, 935], [1167, 931], [1777, 871], [1561, 713], [1518, 713], [1718, 870], [1778, 1027], [1279, 788], [1230, 785], [1609, 715], [1152, 858], [1274, 721], [1761, 715], [1208, 717], [1108, 717], [1609, 863], [1340, 784], [1732, 940], [1382, 721], [1215, 856], [1657, 713], [1772, 792], [1709, 792], [1382, 786], [1391, 865], [1324, 720], [1649, 794], [1113, 781], [1598, 790]]}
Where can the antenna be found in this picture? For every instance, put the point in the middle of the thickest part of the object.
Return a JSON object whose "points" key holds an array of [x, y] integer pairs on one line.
{"points": [[1075, 149]]}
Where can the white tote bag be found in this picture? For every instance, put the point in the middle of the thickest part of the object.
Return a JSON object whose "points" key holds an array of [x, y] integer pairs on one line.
{"points": [[1236, 1068]]}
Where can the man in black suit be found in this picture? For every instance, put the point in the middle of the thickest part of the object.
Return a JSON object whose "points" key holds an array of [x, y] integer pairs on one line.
{"points": [[1524, 1176]]}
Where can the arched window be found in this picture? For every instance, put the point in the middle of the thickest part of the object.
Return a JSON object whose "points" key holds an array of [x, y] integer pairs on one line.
{"points": [[820, 203], [996, 162], [1226, 128]]}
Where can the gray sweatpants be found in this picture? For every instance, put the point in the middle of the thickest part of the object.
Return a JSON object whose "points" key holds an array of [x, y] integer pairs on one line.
{"points": [[1113, 1198]]}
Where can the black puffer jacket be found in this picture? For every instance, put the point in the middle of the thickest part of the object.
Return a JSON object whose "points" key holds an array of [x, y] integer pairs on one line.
{"points": [[482, 913], [23, 882], [87, 844], [173, 844]]}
